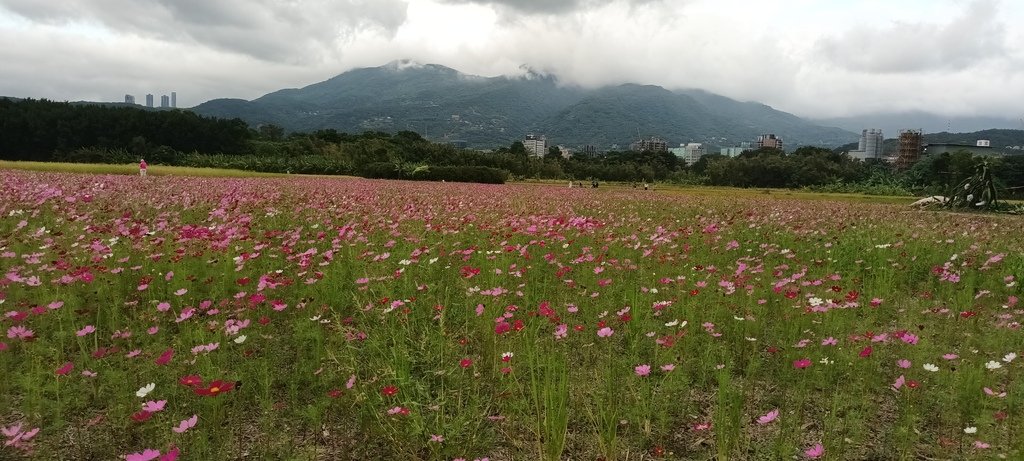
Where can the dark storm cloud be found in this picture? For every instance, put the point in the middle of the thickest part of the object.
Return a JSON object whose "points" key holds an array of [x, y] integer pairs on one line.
{"points": [[904, 46], [296, 31]]}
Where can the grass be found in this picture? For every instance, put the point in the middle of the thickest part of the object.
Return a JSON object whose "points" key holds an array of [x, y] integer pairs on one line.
{"points": [[131, 169], [427, 321]]}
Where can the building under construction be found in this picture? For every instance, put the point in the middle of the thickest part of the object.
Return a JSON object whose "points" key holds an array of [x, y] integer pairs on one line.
{"points": [[910, 148]]}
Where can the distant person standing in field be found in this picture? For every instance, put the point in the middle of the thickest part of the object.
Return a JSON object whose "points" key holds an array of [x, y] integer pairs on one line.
{"points": [[142, 167]]}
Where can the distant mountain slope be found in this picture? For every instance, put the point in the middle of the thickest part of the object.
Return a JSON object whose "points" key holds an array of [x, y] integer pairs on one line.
{"points": [[1003, 140], [441, 103], [892, 123]]}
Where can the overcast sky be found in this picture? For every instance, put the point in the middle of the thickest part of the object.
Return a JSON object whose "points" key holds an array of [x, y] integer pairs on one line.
{"points": [[815, 58]]}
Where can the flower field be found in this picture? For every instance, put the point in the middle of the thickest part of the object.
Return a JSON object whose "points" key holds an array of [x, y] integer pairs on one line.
{"points": [[168, 318]]}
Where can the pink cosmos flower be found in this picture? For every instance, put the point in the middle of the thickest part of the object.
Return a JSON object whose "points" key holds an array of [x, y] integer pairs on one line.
{"points": [[802, 363], [85, 331], [19, 332], [769, 417], [642, 370], [145, 455], [668, 367], [815, 452], [561, 331], [398, 411], [154, 406], [903, 363], [980, 445], [830, 341], [186, 424], [605, 332], [992, 393], [351, 382], [950, 356], [65, 369], [436, 438], [899, 383]]}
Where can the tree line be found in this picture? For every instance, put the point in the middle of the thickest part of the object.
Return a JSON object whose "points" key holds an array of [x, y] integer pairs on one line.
{"points": [[51, 131]]}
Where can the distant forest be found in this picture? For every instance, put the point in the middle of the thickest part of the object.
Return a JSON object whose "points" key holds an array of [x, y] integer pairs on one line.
{"points": [[41, 130]]}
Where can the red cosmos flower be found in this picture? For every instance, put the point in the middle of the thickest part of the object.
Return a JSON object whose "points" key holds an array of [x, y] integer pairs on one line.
{"points": [[518, 325], [469, 272], [694, 292], [165, 357], [141, 416], [578, 327], [913, 384], [334, 393], [866, 352], [466, 362], [852, 296], [65, 369], [389, 391], [191, 380], [215, 388], [502, 328], [264, 320], [968, 314]]}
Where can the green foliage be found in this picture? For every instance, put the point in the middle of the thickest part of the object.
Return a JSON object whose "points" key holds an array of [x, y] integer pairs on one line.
{"points": [[43, 130]]}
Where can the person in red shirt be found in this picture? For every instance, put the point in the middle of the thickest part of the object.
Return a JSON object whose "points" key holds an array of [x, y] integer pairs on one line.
{"points": [[142, 167]]}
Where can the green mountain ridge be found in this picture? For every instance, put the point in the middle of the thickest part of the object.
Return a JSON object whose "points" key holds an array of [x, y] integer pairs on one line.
{"points": [[442, 104]]}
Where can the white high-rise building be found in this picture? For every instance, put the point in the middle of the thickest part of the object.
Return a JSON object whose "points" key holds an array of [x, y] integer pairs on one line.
{"points": [[174, 99], [537, 146], [129, 99], [690, 152], [870, 146], [149, 100]]}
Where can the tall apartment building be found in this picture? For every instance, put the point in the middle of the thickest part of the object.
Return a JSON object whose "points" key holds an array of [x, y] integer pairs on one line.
{"points": [[174, 99], [736, 151], [769, 141], [165, 101], [129, 99], [149, 100], [690, 152], [870, 146], [536, 146], [649, 145]]}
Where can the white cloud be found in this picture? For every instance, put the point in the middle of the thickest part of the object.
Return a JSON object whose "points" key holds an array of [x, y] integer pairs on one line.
{"points": [[809, 57]]}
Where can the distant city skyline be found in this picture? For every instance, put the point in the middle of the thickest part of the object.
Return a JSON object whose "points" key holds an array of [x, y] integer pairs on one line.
{"points": [[814, 59], [165, 100]]}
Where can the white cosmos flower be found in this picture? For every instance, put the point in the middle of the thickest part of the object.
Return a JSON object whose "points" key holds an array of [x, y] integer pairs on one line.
{"points": [[145, 390], [1010, 357], [240, 339], [931, 367], [970, 430], [993, 365]]}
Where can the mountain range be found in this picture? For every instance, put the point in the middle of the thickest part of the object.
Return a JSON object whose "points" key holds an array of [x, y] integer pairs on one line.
{"points": [[443, 104]]}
